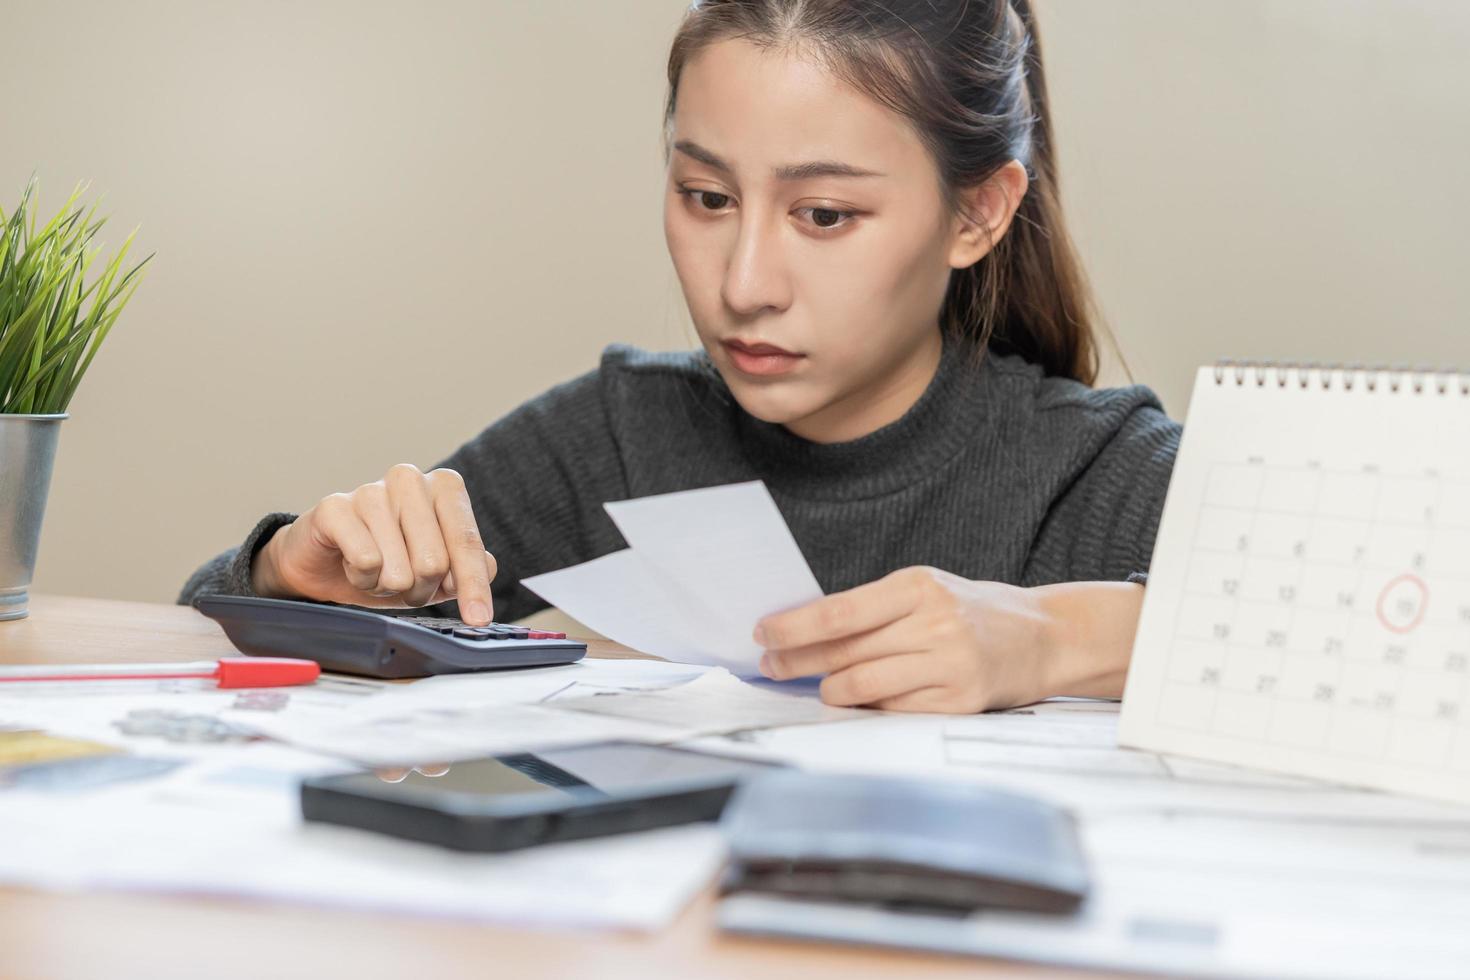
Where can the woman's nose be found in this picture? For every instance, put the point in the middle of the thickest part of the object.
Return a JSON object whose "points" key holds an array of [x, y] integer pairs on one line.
{"points": [[756, 278]]}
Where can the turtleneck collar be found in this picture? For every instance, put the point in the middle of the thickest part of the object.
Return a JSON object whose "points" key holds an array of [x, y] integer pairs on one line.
{"points": [[947, 416]]}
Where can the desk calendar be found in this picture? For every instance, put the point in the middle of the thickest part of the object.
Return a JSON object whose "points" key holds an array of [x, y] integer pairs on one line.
{"points": [[1308, 604]]}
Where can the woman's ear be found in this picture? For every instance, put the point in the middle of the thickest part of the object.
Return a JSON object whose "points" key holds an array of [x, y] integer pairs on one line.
{"points": [[987, 210]]}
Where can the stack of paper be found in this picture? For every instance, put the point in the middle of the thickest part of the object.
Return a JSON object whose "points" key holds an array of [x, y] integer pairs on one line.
{"points": [[621, 700], [232, 827], [223, 817], [1200, 868], [703, 567]]}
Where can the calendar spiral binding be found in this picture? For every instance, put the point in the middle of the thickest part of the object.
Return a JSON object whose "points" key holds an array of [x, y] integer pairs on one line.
{"points": [[1343, 377]]}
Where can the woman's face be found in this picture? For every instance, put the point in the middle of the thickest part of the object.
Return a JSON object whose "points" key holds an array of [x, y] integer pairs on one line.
{"points": [[844, 271]]}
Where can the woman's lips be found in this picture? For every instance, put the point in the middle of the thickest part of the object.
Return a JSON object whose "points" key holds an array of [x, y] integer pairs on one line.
{"points": [[761, 359]]}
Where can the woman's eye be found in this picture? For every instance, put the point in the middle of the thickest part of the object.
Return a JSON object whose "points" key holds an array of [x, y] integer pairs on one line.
{"points": [[708, 200], [827, 218]]}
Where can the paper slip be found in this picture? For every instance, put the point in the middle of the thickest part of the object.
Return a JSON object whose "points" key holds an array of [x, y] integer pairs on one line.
{"points": [[442, 730], [448, 734], [205, 836], [717, 702], [1200, 868], [1161, 922], [590, 675], [702, 568], [1061, 755], [96, 716], [460, 716], [1207, 898]]}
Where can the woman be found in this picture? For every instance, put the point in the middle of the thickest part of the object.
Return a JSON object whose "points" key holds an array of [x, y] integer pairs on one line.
{"points": [[863, 213]]}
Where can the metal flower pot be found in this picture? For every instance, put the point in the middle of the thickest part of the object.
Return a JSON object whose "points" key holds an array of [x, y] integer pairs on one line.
{"points": [[27, 450]]}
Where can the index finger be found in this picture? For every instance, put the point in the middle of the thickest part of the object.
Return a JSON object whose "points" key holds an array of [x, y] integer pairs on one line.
{"points": [[469, 562], [856, 610]]}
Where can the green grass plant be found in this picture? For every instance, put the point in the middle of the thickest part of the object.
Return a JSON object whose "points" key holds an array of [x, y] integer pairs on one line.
{"points": [[51, 320]]}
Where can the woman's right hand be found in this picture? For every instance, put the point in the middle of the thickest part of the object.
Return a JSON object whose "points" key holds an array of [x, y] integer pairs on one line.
{"points": [[409, 539]]}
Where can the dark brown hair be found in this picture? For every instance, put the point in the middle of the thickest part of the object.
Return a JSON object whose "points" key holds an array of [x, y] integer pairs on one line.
{"points": [[967, 75]]}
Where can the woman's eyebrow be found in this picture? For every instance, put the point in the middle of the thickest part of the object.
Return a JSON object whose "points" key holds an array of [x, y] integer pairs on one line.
{"points": [[791, 171]]}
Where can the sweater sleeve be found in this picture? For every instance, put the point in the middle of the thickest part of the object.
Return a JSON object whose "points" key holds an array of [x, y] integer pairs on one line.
{"points": [[536, 478], [1102, 528], [228, 573]]}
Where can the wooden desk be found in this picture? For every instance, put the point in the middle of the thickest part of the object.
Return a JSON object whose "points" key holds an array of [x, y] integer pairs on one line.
{"points": [[51, 935]]}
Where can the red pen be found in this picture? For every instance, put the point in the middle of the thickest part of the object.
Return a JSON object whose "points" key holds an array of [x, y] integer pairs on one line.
{"points": [[228, 672]]}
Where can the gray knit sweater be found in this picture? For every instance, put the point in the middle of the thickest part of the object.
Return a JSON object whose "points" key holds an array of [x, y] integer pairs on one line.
{"points": [[996, 473]]}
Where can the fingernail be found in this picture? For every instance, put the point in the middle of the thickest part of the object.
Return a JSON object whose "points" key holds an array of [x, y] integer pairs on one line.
{"points": [[478, 612], [766, 666], [760, 634]]}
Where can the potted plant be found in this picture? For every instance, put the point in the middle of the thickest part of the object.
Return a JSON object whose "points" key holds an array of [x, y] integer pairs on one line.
{"points": [[52, 320]]}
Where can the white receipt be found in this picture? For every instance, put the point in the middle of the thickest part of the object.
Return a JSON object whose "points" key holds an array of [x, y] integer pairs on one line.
{"points": [[702, 568], [1199, 868], [715, 702], [607, 700], [235, 829]]}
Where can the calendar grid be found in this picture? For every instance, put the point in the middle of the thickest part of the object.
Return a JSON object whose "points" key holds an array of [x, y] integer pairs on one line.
{"points": [[1322, 631]]}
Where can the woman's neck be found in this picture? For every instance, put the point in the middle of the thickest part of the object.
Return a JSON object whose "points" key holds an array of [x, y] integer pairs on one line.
{"points": [[870, 408]]}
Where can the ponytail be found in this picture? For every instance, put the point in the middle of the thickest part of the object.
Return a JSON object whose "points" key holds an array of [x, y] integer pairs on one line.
{"points": [[1029, 294]]}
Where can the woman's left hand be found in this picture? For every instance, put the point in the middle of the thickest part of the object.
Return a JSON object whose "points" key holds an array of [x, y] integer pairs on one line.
{"points": [[923, 639]]}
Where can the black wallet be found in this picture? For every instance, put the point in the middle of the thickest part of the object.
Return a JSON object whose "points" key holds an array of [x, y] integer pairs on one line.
{"points": [[901, 842]]}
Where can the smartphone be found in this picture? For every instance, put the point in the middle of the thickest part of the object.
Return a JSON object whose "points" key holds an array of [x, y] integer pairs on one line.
{"points": [[512, 801]]}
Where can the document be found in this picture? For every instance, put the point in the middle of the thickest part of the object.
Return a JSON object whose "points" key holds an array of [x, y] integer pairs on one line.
{"points": [[716, 702], [1200, 868], [204, 718], [231, 826], [220, 813], [591, 675], [442, 725], [702, 567], [454, 734]]}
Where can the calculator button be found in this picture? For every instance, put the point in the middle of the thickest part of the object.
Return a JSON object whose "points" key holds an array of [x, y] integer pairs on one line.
{"points": [[472, 633]]}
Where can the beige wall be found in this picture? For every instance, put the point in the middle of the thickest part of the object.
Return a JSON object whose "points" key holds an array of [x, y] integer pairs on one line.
{"points": [[380, 225]]}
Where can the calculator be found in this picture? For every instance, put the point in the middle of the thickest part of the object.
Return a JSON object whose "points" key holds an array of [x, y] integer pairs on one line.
{"points": [[389, 644]]}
